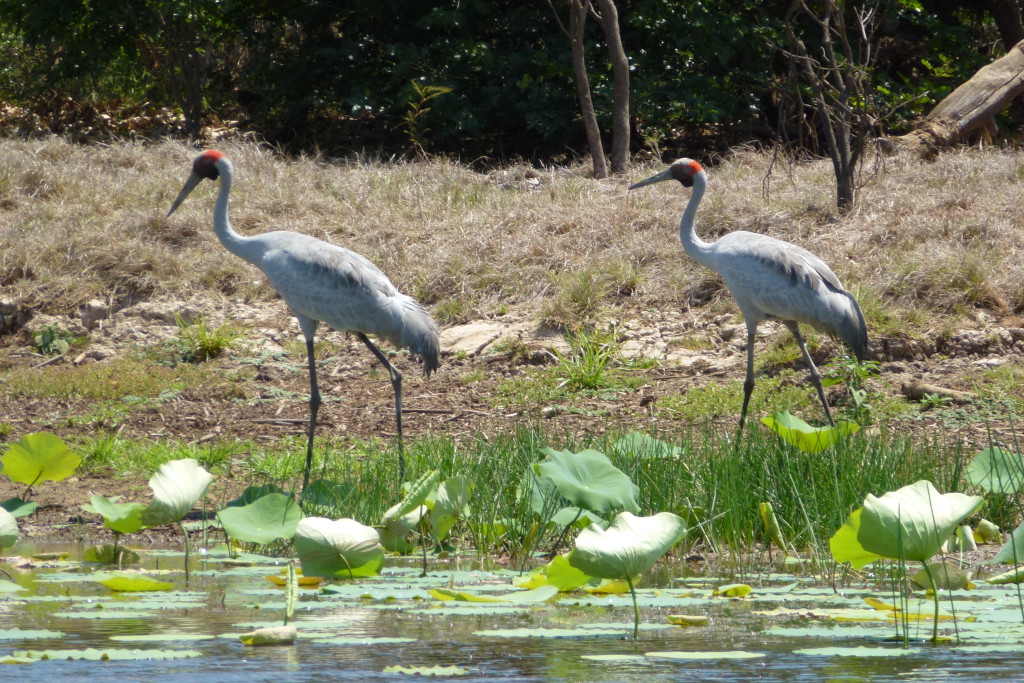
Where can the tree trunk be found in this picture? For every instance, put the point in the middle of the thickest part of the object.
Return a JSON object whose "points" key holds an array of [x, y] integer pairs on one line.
{"points": [[577, 20], [620, 86], [971, 106]]}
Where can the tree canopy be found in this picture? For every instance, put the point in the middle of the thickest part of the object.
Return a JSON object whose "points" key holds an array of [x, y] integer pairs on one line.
{"points": [[350, 75]]}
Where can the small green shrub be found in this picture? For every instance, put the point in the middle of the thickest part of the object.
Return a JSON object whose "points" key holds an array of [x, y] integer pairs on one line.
{"points": [[198, 342]]}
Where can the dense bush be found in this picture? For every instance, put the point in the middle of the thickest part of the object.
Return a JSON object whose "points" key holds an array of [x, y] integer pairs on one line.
{"points": [[339, 75]]}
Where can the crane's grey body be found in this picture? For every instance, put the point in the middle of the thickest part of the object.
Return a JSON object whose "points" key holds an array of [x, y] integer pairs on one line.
{"points": [[770, 280], [323, 282]]}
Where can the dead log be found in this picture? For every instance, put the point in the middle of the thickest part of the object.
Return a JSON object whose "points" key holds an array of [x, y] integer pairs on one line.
{"points": [[916, 391], [970, 107]]}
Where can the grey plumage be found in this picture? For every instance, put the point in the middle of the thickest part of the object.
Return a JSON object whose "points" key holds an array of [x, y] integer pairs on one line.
{"points": [[323, 282], [770, 280]]}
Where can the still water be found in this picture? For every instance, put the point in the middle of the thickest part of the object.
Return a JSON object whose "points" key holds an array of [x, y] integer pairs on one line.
{"points": [[355, 631]]}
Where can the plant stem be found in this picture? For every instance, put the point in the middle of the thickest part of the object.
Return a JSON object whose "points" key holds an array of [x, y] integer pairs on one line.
{"points": [[636, 608]]}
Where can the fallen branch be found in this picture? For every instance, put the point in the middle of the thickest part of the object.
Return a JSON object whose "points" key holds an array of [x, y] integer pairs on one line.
{"points": [[917, 391]]}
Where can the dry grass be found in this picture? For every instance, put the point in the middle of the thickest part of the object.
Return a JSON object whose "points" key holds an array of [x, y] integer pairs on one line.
{"points": [[927, 240]]}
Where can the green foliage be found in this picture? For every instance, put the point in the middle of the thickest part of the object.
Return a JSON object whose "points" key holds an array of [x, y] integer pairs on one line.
{"points": [[52, 340], [265, 520], [808, 439], [197, 342], [586, 364], [37, 458], [413, 122]]}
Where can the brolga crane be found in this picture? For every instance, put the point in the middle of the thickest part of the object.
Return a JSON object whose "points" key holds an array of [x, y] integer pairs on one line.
{"points": [[770, 280], [323, 282]]}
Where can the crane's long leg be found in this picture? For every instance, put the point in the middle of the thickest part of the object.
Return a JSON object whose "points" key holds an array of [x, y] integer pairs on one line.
{"points": [[748, 383], [396, 383], [815, 375], [314, 408]]}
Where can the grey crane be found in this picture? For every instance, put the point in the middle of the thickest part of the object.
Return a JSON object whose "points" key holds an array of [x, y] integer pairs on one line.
{"points": [[323, 282], [770, 280]]}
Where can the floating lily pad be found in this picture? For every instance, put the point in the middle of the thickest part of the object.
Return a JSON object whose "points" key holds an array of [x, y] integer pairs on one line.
{"points": [[859, 651], [427, 670], [96, 655], [725, 654], [125, 582], [29, 634]]}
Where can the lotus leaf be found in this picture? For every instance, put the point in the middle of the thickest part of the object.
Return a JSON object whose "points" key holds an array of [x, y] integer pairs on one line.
{"points": [[274, 635], [265, 520], [8, 530], [126, 582], [177, 487], [39, 457], [808, 439], [846, 548], [337, 549], [451, 502], [124, 518], [996, 471], [912, 523], [1012, 551], [629, 545], [589, 480]]}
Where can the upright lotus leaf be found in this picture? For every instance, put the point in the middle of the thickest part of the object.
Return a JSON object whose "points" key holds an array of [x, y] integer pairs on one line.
{"points": [[809, 439], [846, 548], [1013, 551], [337, 549], [8, 530], [177, 487], [253, 493], [19, 507], [39, 457], [912, 523], [628, 546], [996, 471], [451, 502], [544, 497], [124, 518], [589, 480], [646, 446], [419, 491], [265, 520]]}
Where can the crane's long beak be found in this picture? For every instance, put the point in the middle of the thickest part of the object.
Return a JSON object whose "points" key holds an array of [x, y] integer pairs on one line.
{"points": [[190, 185], [656, 178]]}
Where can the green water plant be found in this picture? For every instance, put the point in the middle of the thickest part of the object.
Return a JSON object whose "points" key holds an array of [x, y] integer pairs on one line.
{"points": [[630, 545], [36, 458], [909, 524], [265, 520], [341, 548], [808, 439], [8, 530]]}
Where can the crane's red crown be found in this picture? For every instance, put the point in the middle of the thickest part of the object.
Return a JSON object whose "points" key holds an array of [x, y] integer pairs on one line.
{"points": [[205, 165], [684, 170]]}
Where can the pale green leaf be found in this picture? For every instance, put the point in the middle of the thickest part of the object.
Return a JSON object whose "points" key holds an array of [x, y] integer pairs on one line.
{"points": [[337, 549], [589, 480], [130, 583], [8, 530], [912, 523], [124, 518], [629, 546], [996, 471], [177, 487], [263, 521], [39, 457], [809, 439], [846, 548], [1012, 551]]}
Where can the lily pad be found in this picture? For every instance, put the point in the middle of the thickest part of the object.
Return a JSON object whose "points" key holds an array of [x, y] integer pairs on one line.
{"points": [[263, 521], [124, 518], [435, 670], [589, 480], [112, 654], [127, 582], [724, 654], [8, 530], [276, 635]]}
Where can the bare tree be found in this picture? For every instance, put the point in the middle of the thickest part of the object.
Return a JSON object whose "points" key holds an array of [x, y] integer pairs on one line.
{"points": [[608, 17], [836, 74]]}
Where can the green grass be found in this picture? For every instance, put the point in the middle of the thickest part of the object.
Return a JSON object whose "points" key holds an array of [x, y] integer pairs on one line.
{"points": [[712, 481], [724, 400]]}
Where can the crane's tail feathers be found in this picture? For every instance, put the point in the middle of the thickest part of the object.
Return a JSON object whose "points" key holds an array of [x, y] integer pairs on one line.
{"points": [[855, 332]]}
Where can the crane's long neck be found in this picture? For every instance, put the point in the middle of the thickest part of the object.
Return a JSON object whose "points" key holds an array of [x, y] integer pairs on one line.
{"points": [[697, 248], [239, 245]]}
